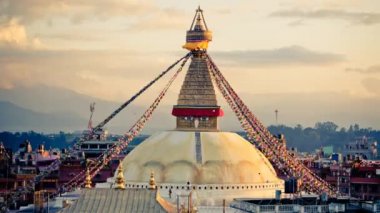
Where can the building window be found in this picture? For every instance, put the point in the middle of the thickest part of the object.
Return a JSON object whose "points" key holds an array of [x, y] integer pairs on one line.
{"points": [[93, 146]]}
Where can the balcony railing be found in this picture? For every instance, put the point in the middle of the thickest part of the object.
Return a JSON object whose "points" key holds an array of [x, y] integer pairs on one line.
{"points": [[365, 180]]}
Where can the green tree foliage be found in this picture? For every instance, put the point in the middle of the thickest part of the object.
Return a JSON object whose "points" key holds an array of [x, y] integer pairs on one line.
{"points": [[13, 140], [305, 139], [323, 134]]}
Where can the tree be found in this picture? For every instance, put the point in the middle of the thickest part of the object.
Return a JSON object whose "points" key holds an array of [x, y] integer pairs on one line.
{"points": [[326, 127]]}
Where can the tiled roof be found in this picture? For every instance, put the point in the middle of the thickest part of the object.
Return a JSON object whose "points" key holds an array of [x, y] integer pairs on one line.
{"points": [[112, 200]]}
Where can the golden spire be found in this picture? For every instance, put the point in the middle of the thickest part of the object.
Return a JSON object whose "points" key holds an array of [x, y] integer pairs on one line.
{"points": [[198, 36], [120, 180], [87, 181], [152, 182]]}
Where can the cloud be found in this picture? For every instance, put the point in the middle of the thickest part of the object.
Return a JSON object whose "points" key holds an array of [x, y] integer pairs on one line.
{"points": [[368, 70], [77, 11], [223, 11], [72, 36], [138, 15], [297, 23], [359, 18], [101, 73], [13, 34], [372, 85], [291, 55], [161, 19]]}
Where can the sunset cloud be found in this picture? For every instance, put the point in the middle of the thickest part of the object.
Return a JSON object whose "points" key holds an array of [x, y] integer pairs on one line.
{"points": [[372, 85], [13, 34], [159, 20], [361, 18], [291, 55], [76, 10], [105, 73], [369, 70]]}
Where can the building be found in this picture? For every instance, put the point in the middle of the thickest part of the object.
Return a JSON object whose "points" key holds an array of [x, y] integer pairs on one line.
{"points": [[195, 164], [365, 180], [197, 155], [362, 148]]}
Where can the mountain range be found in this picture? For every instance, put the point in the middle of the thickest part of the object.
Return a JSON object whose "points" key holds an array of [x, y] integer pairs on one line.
{"points": [[50, 109]]}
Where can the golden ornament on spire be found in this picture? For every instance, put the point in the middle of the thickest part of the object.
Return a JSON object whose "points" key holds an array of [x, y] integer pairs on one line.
{"points": [[87, 181], [120, 180], [198, 36], [152, 182]]}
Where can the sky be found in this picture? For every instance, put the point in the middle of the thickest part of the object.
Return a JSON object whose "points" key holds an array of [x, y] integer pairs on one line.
{"points": [[298, 56]]}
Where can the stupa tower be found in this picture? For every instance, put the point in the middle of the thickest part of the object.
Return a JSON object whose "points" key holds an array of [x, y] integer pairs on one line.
{"points": [[197, 108], [196, 155]]}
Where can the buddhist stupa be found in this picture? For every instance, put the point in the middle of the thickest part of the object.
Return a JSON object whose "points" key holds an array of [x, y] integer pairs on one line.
{"points": [[197, 156]]}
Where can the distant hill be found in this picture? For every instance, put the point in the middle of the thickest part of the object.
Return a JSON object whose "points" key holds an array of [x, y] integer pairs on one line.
{"points": [[294, 108], [54, 100], [16, 118], [51, 109]]}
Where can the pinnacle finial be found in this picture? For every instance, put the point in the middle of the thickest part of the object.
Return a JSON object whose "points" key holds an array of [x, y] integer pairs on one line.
{"points": [[198, 36], [152, 182], [87, 181], [120, 180]]}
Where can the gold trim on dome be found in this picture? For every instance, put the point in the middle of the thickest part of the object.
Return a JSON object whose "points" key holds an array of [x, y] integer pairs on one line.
{"points": [[152, 182]]}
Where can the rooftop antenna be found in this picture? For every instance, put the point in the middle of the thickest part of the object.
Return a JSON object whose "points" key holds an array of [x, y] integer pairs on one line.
{"points": [[92, 109], [276, 112]]}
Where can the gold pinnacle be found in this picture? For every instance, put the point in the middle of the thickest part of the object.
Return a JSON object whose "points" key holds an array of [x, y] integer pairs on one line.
{"points": [[152, 182], [120, 180], [87, 181]]}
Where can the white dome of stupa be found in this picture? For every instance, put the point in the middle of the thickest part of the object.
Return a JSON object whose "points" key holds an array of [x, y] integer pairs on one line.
{"points": [[217, 165], [222, 158]]}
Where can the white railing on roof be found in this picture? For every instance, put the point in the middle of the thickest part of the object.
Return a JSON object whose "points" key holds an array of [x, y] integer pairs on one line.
{"points": [[315, 208], [287, 208], [268, 208], [217, 209], [337, 207], [373, 207]]}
